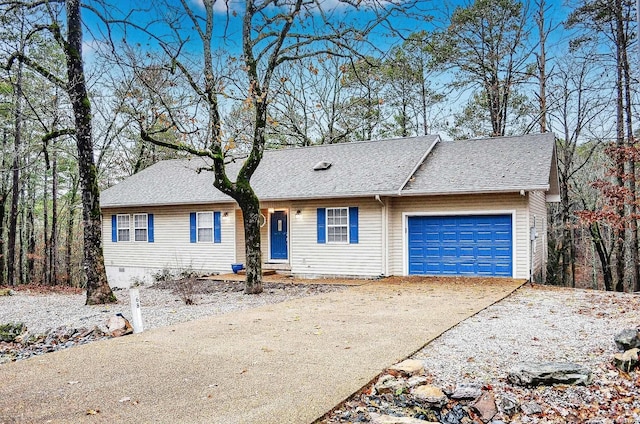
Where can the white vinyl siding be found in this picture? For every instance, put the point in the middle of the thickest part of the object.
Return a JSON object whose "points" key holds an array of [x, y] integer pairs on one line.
{"points": [[307, 257], [171, 248], [140, 225], [445, 205], [124, 227], [362, 259], [538, 218], [376, 253]]}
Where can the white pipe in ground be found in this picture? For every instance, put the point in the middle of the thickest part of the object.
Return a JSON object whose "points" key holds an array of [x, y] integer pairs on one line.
{"points": [[136, 310]]}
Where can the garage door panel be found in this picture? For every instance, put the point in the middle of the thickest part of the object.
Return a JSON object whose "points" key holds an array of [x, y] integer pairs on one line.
{"points": [[467, 252], [461, 245]]}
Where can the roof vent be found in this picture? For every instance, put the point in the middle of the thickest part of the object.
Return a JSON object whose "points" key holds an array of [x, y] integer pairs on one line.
{"points": [[322, 165]]}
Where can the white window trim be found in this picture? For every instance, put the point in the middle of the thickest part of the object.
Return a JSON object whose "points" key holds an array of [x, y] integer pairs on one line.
{"points": [[146, 227], [198, 227], [119, 227], [336, 226]]}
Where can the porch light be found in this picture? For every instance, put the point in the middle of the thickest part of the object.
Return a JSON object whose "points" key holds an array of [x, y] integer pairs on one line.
{"points": [[298, 214], [225, 216]]}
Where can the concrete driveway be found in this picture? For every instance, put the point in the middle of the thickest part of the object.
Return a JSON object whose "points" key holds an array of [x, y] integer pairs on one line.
{"points": [[284, 363]]}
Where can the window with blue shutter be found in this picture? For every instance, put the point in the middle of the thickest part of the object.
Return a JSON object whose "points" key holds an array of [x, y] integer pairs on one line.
{"points": [[192, 227], [322, 233], [150, 227], [217, 228], [114, 228], [353, 224]]}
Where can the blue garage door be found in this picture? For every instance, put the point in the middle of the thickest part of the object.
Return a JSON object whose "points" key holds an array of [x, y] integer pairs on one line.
{"points": [[461, 245]]}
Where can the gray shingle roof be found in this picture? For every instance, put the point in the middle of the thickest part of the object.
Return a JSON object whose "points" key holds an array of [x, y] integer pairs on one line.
{"points": [[357, 169], [385, 167], [487, 165]]}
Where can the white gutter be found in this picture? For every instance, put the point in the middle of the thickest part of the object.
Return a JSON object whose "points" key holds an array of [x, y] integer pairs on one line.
{"points": [[415, 168]]}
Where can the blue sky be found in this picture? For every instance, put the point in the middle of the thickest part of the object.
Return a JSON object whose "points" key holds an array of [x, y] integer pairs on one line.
{"points": [[230, 24]]}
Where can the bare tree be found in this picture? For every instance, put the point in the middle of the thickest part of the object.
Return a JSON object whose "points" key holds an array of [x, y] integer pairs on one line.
{"points": [[486, 42], [576, 101], [610, 22], [272, 34], [74, 84]]}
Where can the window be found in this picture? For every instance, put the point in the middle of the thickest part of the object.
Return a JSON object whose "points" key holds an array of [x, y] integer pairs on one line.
{"points": [[140, 227], [205, 226], [124, 226], [337, 225]]}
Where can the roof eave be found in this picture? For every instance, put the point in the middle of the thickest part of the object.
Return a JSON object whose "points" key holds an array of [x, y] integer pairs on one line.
{"points": [[514, 189]]}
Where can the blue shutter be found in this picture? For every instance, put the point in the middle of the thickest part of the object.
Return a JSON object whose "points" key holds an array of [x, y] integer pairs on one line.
{"points": [[150, 227], [322, 224], [353, 225], [114, 228], [216, 228], [192, 227]]}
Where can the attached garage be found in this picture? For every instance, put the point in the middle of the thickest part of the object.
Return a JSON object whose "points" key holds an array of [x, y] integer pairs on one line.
{"points": [[460, 245]]}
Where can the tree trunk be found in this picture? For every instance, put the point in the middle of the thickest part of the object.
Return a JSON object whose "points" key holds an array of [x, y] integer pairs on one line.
{"points": [[603, 256], [565, 208], [423, 95], [250, 206], [619, 157], [46, 269], [15, 184], [98, 290], [26, 225], [70, 227], [4, 193], [53, 241], [631, 165], [542, 66]]}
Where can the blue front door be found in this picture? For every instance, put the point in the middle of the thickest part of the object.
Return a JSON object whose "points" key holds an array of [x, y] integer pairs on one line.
{"points": [[279, 250]]}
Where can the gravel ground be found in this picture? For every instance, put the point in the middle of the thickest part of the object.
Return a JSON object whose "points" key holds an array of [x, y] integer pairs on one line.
{"points": [[539, 324], [161, 304], [536, 323]]}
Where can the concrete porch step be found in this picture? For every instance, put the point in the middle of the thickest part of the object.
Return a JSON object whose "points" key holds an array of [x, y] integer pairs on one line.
{"points": [[276, 266]]}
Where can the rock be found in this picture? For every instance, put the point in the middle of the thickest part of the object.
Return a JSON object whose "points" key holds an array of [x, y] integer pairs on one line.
{"points": [[417, 380], [388, 419], [628, 339], [485, 407], [432, 395], [531, 408], [6, 292], [626, 361], [456, 415], [509, 405], [549, 373], [408, 367], [466, 391], [389, 384], [118, 326]]}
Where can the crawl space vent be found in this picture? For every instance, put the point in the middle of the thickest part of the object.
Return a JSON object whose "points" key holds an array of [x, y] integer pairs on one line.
{"points": [[321, 166]]}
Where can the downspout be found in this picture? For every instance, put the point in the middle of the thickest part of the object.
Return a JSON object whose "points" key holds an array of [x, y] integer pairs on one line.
{"points": [[384, 227]]}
